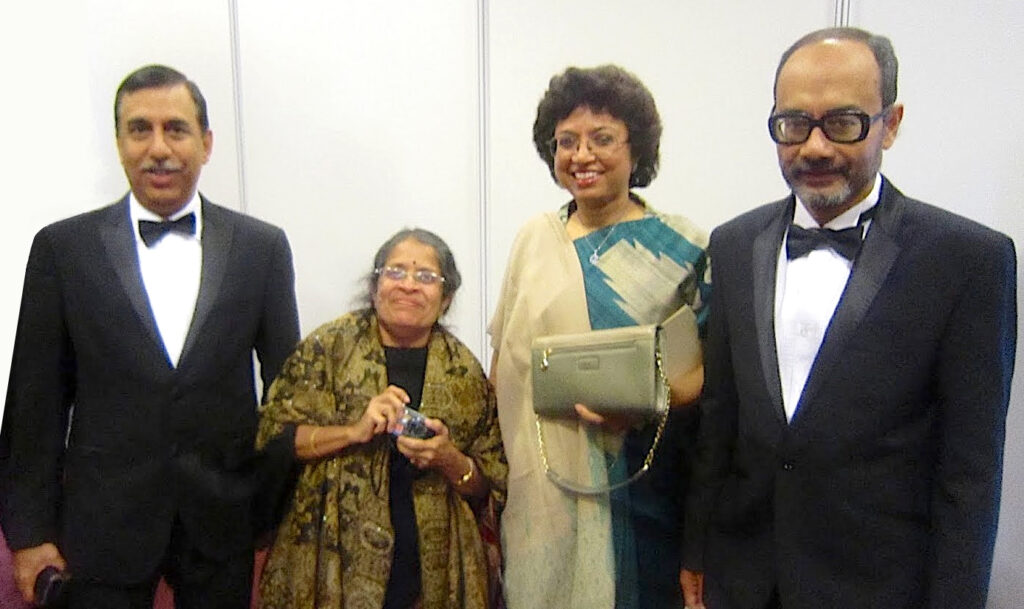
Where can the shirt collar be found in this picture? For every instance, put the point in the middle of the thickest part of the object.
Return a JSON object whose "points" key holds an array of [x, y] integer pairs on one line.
{"points": [[847, 219]]}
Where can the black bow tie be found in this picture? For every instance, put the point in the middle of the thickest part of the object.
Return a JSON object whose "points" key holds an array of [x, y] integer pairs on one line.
{"points": [[846, 242], [801, 241], [154, 231]]}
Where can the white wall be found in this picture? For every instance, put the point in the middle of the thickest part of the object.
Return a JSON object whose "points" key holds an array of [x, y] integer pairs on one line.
{"points": [[362, 118], [357, 119]]}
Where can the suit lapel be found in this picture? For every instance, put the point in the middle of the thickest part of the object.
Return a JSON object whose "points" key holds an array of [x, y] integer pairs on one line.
{"points": [[218, 232], [765, 266], [118, 237], [869, 272]]}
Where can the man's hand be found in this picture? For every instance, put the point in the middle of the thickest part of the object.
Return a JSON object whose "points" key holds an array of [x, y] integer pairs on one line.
{"points": [[693, 589], [28, 563]]}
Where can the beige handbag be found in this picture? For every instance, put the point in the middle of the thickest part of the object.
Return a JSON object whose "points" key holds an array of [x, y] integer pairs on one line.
{"points": [[616, 371]]}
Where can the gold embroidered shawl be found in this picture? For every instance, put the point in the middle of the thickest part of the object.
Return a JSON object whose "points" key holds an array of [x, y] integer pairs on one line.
{"points": [[333, 548]]}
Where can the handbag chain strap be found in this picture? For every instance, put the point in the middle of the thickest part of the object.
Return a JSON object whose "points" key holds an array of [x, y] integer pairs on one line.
{"points": [[663, 408]]}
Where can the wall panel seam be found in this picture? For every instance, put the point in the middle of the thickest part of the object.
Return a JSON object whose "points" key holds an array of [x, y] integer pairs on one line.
{"points": [[842, 13], [483, 139], [236, 90]]}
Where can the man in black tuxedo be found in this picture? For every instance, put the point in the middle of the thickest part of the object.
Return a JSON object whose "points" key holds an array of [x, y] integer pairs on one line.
{"points": [[851, 442], [127, 441]]}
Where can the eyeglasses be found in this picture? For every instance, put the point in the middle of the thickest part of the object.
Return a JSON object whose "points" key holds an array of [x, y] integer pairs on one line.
{"points": [[398, 273], [600, 144], [840, 126]]}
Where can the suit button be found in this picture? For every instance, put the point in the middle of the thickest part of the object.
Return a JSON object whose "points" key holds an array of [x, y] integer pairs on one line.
{"points": [[787, 466]]}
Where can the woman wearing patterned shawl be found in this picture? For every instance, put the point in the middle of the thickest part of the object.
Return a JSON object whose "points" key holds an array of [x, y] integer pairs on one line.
{"points": [[606, 259], [379, 518]]}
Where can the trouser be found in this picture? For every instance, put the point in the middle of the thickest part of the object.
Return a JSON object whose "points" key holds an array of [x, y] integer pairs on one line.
{"points": [[198, 581], [716, 598]]}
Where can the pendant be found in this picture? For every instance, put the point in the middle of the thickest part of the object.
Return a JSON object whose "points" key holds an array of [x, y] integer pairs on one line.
{"points": [[594, 258]]}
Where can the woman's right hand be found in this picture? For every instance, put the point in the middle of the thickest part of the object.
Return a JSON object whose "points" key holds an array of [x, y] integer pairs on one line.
{"points": [[381, 415], [314, 442]]}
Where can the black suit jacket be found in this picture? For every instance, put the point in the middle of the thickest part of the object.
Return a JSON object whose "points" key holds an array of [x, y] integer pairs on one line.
{"points": [[104, 442], [883, 491]]}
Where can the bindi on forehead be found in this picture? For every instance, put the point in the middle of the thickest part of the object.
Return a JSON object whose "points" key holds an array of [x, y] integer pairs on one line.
{"points": [[417, 265], [415, 255]]}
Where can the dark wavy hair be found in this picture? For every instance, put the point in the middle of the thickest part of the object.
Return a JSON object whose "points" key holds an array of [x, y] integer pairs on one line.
{"points": [[156, 77], [881, 48], [445, 258], [610, 89]]}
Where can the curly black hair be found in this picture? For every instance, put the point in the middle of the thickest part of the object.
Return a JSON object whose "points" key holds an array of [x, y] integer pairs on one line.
{"points": [[610, 89]]}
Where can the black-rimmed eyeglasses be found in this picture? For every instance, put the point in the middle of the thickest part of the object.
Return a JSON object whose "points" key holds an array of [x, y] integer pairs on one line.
{"points": [[398, 273], [840, 126]]}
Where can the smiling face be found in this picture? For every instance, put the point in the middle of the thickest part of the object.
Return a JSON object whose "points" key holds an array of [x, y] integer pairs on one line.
{"points": [[597, 171], [407, 309], [162, 147], [824, 77]]}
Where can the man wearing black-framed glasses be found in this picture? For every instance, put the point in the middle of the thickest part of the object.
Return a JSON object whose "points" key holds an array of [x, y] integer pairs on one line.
{"points": [[859, 357]]}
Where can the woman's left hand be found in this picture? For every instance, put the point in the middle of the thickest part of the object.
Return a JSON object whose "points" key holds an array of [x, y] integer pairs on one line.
{"points": [[437, 452]]}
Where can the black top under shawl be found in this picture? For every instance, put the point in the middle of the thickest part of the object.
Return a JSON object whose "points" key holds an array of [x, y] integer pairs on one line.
{"points": [[405, 369]]}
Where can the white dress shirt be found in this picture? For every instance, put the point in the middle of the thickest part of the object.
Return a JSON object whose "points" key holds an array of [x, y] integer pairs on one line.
{"points": [[171, 271], [807, 291]]}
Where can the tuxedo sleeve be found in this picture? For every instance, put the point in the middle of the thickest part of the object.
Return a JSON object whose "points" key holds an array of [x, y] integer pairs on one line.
{"points": [[718, 420], [279, 323], [40, 393], [974, 369], [277, 337]]}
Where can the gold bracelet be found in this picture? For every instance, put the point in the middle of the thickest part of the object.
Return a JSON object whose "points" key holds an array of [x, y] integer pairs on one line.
{"points": [[469, 474], [312, 441]]}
